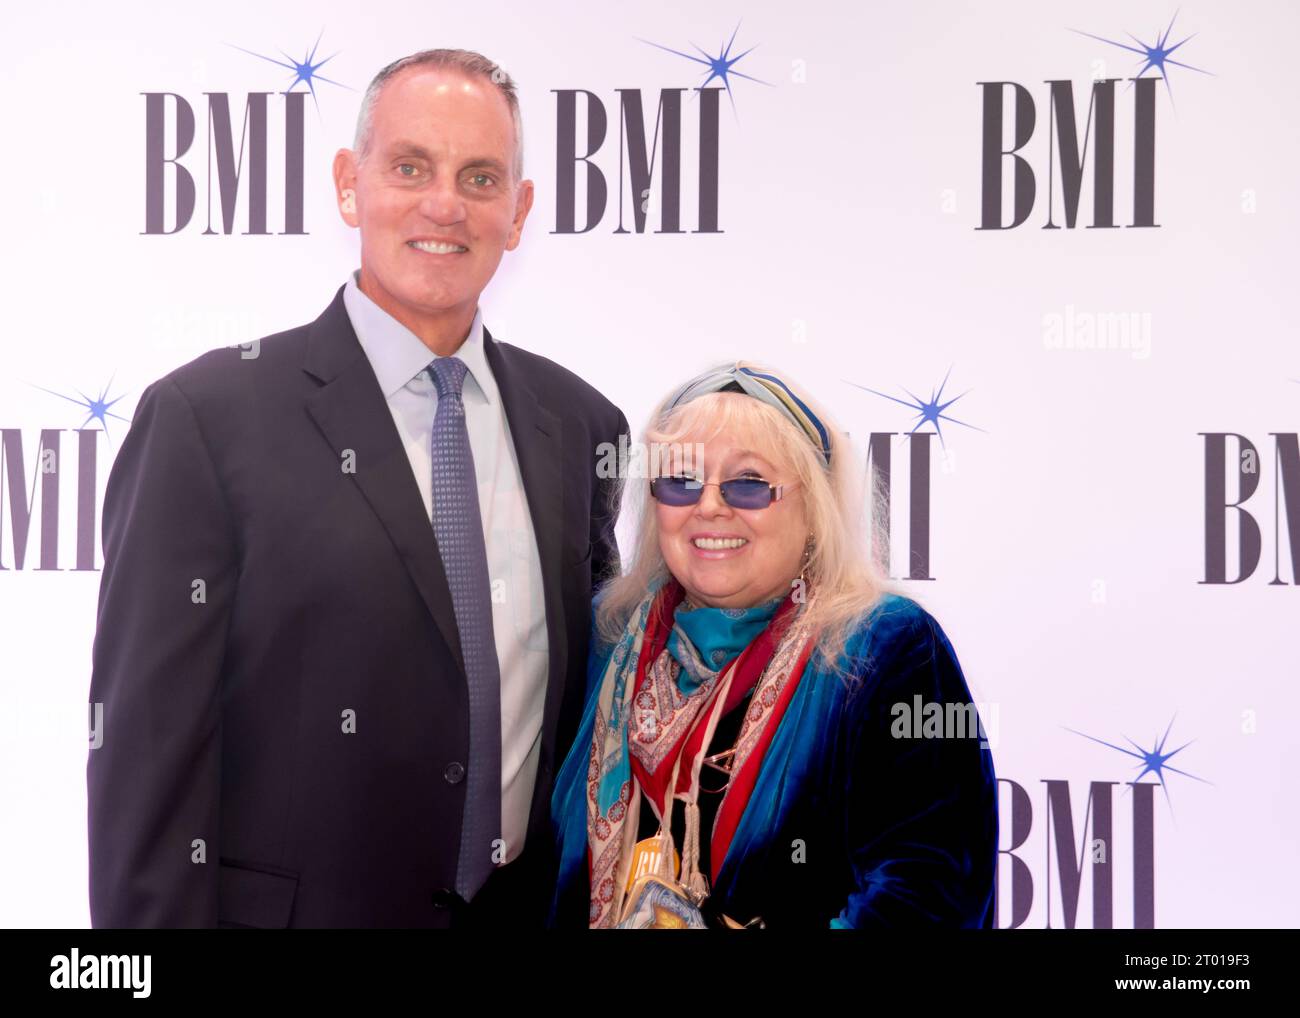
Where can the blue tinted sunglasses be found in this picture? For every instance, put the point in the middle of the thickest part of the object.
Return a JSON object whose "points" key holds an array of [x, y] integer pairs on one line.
{"points": [[739, 492]]}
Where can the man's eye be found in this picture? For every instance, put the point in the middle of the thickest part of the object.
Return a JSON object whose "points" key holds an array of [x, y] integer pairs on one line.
{"points": [[481, 179], [404, 167]]}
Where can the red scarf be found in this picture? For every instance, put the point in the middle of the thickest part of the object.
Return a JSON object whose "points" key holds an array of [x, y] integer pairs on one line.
{"points": [[749, 665]]}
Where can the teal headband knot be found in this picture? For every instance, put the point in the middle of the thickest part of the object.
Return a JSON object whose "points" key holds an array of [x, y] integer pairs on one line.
{"points": [[762, 385]]}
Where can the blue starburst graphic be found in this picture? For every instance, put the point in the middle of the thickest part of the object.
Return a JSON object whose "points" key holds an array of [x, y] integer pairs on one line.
{"points": [[928, 411], [1154, 55], [722, 66], [305, 70], [99, 409], [1152, 761]]}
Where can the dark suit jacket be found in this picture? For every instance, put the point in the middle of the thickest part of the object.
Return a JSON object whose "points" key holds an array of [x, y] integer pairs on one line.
{"points": [[256, 594]]}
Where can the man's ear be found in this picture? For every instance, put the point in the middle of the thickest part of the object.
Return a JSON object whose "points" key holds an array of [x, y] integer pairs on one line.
{"points": [[523, 202], [345, 185]]}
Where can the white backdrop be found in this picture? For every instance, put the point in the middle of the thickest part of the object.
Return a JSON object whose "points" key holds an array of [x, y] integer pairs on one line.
{"points": [[1067, 525]]}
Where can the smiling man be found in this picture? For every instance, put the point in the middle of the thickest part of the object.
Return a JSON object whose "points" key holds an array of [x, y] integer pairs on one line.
{"points": [[345, 606], [434, 182]]}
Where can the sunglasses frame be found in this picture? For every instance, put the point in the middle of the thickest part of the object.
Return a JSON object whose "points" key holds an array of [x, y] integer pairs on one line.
{"points": [[775, 491]]}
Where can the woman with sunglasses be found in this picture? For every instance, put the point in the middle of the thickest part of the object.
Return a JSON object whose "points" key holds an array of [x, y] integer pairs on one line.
{"points": [[754, 661]]}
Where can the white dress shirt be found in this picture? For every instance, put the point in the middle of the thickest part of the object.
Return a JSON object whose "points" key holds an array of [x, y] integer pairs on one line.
{"points": [[399, 360]]}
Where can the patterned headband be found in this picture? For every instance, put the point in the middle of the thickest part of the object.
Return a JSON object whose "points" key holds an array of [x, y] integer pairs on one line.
{"points": [[762, 385]]}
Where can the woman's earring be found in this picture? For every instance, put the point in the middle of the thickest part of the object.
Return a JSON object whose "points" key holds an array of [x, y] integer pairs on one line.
{"points": [[801, 582]]}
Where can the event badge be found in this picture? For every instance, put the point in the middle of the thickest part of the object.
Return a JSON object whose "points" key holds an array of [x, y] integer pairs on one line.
{"points": [[645, 860]]}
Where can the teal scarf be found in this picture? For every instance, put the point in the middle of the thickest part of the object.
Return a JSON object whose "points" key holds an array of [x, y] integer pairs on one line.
{"points": [[716, 636]]}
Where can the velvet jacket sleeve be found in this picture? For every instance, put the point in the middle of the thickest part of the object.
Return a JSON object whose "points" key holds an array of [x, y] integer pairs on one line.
{"points": [[920, 822], [570, 902]]}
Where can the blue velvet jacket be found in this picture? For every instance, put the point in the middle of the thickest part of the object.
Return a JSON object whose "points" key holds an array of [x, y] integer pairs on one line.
{"points": [[848, 825]]}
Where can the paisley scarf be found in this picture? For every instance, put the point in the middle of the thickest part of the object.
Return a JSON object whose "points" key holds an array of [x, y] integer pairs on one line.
{"points": [[648, 715]]}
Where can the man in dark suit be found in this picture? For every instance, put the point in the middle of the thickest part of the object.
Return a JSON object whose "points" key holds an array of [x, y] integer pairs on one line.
{"points": [[345, 606]]}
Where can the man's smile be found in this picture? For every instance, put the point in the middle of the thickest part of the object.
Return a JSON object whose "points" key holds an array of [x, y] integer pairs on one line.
{"points": [[435, 247]]}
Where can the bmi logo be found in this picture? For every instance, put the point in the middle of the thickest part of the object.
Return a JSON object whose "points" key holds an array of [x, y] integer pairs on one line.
{"points": [[657, 191], [1010, 117], [231, 161], [1045, 867], [880, 464], [31, 481], [1235, 508]]}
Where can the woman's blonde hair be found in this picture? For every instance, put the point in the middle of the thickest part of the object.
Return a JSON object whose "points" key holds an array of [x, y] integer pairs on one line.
{"points": [[842, 567]]}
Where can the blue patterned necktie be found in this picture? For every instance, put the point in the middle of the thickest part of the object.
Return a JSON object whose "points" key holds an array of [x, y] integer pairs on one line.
{"points": [[458, 527]]}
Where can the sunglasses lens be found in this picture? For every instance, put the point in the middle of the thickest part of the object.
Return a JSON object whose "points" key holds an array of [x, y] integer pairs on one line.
{"points": [[739, 493], [747, 493], [675, 490]]}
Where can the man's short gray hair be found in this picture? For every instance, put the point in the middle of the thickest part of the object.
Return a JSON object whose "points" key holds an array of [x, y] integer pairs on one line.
{"points": [[467, 62]]}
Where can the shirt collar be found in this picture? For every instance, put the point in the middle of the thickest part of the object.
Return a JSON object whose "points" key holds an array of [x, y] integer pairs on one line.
{"points": [[396, 353]]}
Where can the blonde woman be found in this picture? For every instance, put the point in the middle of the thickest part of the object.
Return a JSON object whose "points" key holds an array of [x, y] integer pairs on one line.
{"points": [[754, 662]]}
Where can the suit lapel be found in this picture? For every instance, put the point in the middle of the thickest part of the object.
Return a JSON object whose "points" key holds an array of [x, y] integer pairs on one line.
{"points": [[352, 414], [350, 410]]}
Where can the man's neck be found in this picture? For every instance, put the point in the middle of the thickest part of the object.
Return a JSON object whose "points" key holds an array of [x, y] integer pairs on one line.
{"points": [[443, 332]]}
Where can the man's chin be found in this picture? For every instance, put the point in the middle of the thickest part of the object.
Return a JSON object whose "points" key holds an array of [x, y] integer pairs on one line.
{"points": [[422, 298]]}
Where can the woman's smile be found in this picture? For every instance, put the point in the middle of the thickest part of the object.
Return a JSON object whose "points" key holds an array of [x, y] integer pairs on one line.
{"points": [[708, 545]]}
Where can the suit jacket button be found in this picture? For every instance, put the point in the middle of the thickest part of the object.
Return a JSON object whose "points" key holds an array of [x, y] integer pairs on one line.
{"points": [[444, 897], [455, 773]]}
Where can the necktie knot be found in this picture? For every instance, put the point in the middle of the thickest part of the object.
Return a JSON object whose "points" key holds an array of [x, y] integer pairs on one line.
{"points": [[448, 375]]}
